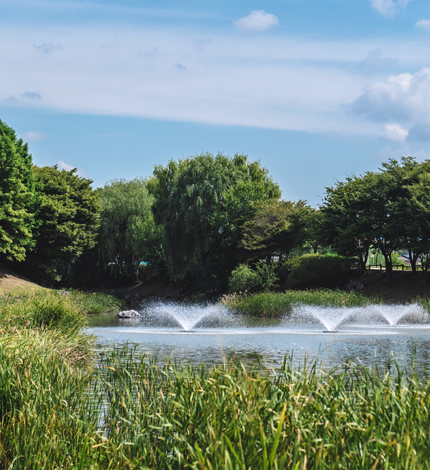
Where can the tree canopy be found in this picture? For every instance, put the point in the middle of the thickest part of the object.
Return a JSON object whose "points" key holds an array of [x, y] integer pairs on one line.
{"points": [[18, 196], [199, 203], [128, 234], [68, 219], [387, 210]]}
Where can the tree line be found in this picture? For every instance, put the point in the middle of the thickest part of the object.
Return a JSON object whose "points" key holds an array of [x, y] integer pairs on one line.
{"points": [[198, 219]]}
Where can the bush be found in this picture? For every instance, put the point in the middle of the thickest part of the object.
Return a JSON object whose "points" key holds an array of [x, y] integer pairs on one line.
{"points": [[317, 271], [244, 279]]}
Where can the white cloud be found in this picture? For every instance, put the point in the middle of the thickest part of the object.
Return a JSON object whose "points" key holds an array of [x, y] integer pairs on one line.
{"points": [[394, 132], [65, 166], [388, 7], [34, 136], [375, 61], [404, 98], [256, 21], [268, 81], [425, 24]]}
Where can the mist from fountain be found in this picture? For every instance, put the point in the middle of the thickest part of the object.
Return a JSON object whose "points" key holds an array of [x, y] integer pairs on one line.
{"points": [[188, 316], [330, 317], [394, 313], [333, 317]]}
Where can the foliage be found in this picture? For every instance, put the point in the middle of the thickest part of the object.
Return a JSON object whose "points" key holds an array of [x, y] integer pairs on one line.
{"points": [[199, 203], [227, 417], [245, 279], [276, 228], [317, 271], [60, 310], [67, 223], [275, 304], [387, 210], [128, 234], [18, 196]]}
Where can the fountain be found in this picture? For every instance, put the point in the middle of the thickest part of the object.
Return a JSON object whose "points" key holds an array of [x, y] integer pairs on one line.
{"points": [[394, 313], [187, 316], [333, 317], [330, 317]]}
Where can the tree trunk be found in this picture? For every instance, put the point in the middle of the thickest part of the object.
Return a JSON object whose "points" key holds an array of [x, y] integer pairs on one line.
{"points": [[388, 268]]}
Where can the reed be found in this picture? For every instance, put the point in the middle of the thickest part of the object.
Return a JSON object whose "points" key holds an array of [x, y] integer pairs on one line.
{"points": [[133, 412], [274, 304]]}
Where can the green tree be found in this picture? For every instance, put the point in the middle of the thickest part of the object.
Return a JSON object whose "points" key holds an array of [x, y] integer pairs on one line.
{"points": [[128, 234], [18, 196], [68, 219], [276, 228], [201, 203], [388, 210], [344, 225], [411, 208]]}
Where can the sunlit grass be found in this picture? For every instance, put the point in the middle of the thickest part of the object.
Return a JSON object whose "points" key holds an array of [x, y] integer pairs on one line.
{"points": [[131, 413], [273, 304]]}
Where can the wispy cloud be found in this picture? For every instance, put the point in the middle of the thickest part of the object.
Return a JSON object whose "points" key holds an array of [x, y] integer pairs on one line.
{"points": [[269, 81], [65, 166], [394, 132], [375, 61], [31, 95], [256, 21], [47, 48], [388, 7], [424, 24], [34, 136]]}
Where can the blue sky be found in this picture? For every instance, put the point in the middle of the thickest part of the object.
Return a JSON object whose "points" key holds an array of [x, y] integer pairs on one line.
{"points": [[314, 89]]}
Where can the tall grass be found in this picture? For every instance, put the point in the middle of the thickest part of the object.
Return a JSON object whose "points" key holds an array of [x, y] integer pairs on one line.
{"points": [[133, 414], [65, 312], [273, 304]]}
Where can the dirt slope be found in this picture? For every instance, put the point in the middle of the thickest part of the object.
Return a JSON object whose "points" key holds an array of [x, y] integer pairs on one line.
{"points": [[11, 283]]}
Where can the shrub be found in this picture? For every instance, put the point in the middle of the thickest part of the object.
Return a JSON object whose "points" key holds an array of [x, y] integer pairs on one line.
{"points": [[244, 279], [317, 271]]}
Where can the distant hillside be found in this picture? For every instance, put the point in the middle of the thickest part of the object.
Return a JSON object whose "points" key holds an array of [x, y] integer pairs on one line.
{"points": [[11, 282]]}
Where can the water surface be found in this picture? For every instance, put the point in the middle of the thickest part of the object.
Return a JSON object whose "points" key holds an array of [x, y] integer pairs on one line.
{"points": [[363, 336]]}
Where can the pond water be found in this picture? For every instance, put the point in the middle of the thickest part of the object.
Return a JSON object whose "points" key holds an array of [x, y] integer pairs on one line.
{"points": [[368, 335]]}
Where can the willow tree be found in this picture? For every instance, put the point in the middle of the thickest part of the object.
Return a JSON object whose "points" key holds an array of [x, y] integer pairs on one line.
{"points": [[128, 234], [201, 203], [18, 196]]}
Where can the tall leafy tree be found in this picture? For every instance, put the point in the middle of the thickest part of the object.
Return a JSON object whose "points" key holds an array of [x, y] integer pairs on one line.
{"points": [[345, 225], [18, 196], [201, 202], [128, 234], [388, 210], [68, 219], [276, 228]]}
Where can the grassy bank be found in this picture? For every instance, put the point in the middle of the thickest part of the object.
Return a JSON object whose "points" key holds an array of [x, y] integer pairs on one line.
{"points": [[275, 304], [63, 407], [132, 414]]}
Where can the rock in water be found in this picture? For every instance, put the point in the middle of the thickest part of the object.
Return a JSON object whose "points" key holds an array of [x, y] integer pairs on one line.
{"points": [[128, 314]]}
